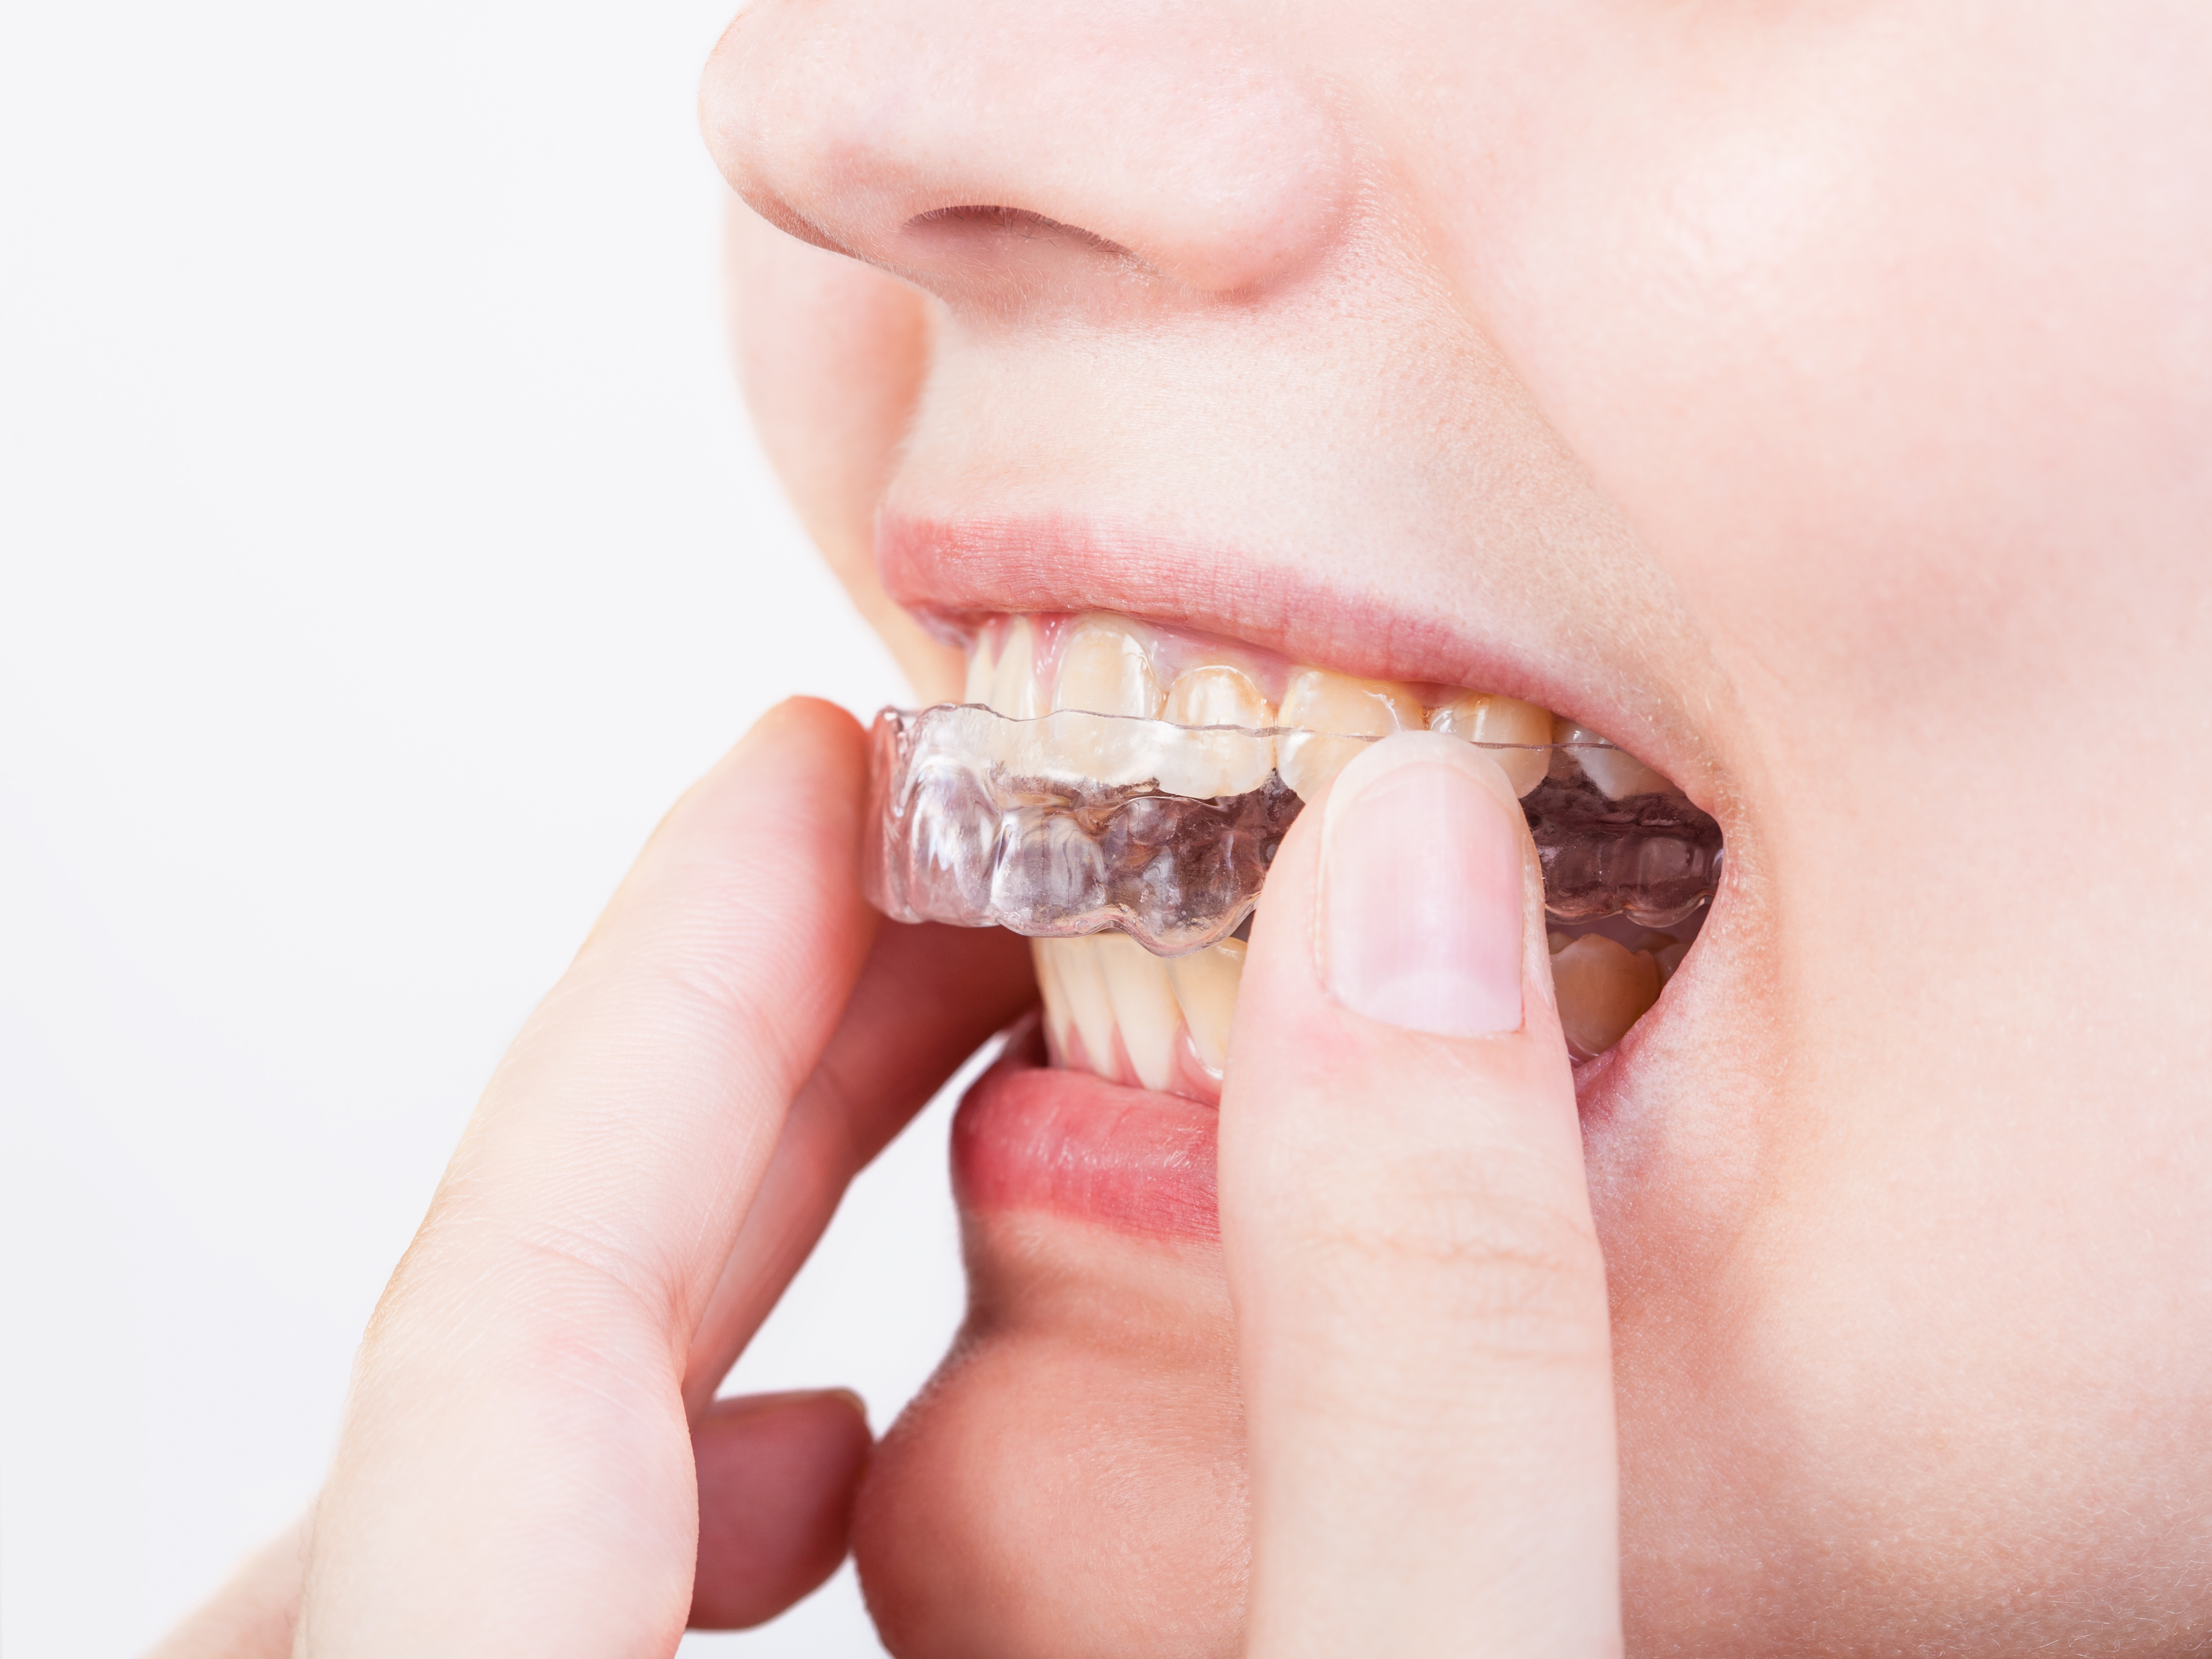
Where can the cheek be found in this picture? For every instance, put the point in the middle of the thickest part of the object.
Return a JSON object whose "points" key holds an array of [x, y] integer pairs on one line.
{"points": [[1871, 317], [1051, 1494]]}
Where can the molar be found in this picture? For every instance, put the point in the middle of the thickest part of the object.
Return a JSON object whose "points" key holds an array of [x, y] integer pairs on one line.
{"points": [[1482, 717], [1616, 772], [1321, 702], [1603, 987]]}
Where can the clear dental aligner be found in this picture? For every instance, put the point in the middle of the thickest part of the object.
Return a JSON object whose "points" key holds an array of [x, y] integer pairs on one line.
{"points": [[1109, 777], [984, 821]]}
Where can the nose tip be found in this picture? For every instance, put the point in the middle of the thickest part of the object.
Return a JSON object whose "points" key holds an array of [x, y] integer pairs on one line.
{"points": [[961, 145]]}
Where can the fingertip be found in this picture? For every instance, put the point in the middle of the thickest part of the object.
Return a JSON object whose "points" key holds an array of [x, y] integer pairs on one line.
{"points": [[777, 1474], [818, 715], [805, 732]]}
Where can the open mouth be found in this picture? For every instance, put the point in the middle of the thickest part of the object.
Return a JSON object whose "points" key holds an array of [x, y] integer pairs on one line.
{"points": [[1115, 789]]}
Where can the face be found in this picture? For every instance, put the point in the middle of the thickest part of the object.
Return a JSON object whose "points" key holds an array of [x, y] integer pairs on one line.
{"points": [[1815, 399]]}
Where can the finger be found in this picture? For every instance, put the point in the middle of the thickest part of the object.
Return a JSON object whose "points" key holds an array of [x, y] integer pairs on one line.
{"points": [[514, 1474], [928, 998], [255, 1612], [1420, 1302], [776, 1478]]}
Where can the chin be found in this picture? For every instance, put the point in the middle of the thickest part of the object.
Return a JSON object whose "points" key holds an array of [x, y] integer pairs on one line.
{"points": [[1071, 1481]]}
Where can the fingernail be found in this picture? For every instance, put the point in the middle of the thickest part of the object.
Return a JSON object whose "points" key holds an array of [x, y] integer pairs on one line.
{"points": [[1421, 889]]}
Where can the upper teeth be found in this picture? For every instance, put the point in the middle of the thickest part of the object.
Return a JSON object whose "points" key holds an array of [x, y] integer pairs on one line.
{"points": [[1132, 784], [1316, 702], [1025, 666], [1109, 774]]}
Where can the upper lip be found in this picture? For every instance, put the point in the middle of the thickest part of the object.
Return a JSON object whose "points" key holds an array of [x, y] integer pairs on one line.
{"points": [[949, 572]]}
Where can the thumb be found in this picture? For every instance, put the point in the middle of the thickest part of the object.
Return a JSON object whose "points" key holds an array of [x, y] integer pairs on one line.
{"points": [[1420, 1302]]}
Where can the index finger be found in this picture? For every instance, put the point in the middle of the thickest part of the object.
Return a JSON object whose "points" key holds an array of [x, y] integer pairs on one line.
{"points": [[515, 1473]]}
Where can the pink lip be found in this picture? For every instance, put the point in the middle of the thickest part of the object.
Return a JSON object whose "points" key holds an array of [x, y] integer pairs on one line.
{"points": [[977, 566], [1029, 1137]]}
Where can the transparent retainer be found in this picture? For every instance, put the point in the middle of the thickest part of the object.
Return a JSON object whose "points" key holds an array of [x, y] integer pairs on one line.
{"points": [[1059, 826]]}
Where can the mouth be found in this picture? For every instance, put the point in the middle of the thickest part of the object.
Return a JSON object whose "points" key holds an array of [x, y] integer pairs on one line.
{"points": [[1133, 738], [1115, 789]]}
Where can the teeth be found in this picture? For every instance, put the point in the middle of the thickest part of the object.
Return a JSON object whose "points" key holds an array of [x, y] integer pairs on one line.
{"points": [[1145, 1014], [1208, 765], [1071, 974], [1204, 984], [1134, 776], [1616, 773], [1603, 989], [1112, 1007], [983, 661], [1013, 680], [1480, 717], [1103, 670], [1319, 701], [1044, 959], [1218, 695]]}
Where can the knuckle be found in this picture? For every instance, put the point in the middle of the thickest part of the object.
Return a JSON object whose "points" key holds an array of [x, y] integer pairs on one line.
{"points": [[463, 1277], [1517, 1273]]}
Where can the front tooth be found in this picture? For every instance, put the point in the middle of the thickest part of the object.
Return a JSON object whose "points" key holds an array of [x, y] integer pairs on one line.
{"points": [[983, 661], [1603, 989], [1144, 1010], [1084, 1019], [1204, 984], [1322, 704], [1207, 765], [1044, 959], [1481, 717], [1105, 670], [1014, 690], [1616, 772]]}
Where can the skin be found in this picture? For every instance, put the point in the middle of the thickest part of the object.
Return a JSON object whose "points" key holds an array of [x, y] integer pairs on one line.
{"points": [[1818, 400]]}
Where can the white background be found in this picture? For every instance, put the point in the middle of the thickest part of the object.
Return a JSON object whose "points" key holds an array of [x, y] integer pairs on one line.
{"points": [[382, 548]]}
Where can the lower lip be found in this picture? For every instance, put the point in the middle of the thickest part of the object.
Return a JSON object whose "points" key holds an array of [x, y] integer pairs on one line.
{"points": [[1030, 1137]]}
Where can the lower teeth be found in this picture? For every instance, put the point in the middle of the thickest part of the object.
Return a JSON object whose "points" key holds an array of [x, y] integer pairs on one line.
{"points": [[981, 820]]}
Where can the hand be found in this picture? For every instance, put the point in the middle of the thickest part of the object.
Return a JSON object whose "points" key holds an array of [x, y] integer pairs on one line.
{"points": [[654, 1158], [1422, 1330]]}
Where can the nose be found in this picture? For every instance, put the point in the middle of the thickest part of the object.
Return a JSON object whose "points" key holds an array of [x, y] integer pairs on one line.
{"points": [[1012, 152]]}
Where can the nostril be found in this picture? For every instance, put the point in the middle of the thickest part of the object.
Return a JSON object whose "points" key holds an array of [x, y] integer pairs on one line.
{"points": [[1014, 251], [1037, 155], [1011, 223]]}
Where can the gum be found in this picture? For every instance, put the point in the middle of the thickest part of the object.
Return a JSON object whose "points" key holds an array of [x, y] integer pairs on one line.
{"points": [[981, 820]]}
